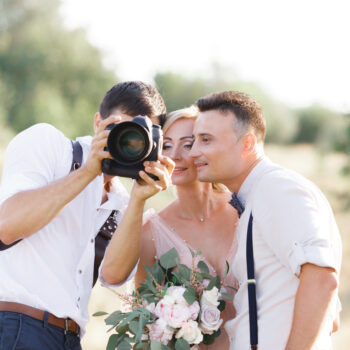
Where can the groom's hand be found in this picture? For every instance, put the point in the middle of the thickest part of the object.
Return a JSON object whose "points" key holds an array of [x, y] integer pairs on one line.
{"points": [[148, 187]]}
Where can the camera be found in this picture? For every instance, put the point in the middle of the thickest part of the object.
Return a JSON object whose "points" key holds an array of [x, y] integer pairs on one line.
{"points": [[130, 144]]}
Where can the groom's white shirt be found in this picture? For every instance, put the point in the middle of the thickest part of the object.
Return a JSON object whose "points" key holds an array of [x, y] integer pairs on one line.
{"points": [[52, 269], [293, 225]]}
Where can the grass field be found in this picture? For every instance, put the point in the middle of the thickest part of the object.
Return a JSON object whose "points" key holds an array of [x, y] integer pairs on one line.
{"points": [[324, 170]]}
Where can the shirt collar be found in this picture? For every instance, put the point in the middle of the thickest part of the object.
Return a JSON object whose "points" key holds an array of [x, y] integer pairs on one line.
{"points": [[252, 177]]}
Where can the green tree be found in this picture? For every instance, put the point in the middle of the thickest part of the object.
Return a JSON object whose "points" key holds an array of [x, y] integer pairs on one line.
{"points": [[47, 73]]}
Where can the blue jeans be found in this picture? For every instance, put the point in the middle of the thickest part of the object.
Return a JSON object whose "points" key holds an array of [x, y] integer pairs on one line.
{"points": [[21, 332]]}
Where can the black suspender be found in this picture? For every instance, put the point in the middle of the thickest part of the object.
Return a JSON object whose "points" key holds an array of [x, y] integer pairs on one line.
{"points": [[253, 317]]}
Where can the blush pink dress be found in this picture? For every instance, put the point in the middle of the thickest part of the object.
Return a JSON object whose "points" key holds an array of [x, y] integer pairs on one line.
{"points": [[165, 238]]}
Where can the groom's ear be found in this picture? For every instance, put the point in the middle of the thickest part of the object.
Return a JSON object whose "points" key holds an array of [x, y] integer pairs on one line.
{"points": [[249, 144]]}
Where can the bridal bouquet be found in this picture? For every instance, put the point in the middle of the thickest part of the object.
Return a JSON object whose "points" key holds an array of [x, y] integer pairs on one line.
{"points": [[176, 307]]}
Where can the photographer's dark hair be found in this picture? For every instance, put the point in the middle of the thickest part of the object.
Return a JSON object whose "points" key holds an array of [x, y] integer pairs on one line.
{"points": [[247, 111], [133, 98]]}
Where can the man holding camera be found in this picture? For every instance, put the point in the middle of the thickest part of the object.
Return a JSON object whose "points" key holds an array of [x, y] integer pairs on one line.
{"points": [[289, 248], [49, 218]]}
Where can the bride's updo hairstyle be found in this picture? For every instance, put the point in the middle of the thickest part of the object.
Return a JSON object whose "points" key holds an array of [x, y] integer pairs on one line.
{"points": [[189, 112]]}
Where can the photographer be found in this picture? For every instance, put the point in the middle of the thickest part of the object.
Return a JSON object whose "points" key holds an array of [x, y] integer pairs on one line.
{"points": [[51, 217]]}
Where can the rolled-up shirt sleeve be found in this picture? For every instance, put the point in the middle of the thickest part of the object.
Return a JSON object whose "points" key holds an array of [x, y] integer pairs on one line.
{"points": [[297, 223], [117, 285]]}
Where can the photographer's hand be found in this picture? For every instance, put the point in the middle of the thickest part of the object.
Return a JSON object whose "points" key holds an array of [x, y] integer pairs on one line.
{"points": [[93, 165], [148, 187], [124, 249]]}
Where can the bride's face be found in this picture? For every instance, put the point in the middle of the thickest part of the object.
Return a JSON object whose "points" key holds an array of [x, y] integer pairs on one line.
{"points": [[177, 145]]}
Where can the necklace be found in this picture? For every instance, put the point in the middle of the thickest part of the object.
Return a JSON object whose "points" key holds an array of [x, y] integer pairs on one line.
{"points": [[201, 219]]}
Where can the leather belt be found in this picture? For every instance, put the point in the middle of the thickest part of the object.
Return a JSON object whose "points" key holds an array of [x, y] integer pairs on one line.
{"points": [[65, 323]]}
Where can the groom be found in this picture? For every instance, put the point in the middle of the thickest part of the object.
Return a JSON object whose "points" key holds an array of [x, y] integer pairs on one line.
{"points": [[297, 246]]}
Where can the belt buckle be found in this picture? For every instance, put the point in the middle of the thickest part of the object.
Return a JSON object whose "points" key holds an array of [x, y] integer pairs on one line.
{"points": [[66, 325]]}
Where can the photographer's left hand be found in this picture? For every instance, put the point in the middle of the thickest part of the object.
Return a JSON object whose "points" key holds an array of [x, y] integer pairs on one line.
{"points": [[147, 187]]}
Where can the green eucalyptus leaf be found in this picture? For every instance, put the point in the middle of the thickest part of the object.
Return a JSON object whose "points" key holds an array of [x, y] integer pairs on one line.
{"points": [[190, 295], [215, 282], [169, 259], [227, 268], [133, 326], [141, 326], [112, 342], [182, 344], [114, 318], [222, 305], [124, 345], [156, 345], [184, 272], [157, 272], [141, 345], [199, 251], [203, 266], [100, 313], [210, 338]]}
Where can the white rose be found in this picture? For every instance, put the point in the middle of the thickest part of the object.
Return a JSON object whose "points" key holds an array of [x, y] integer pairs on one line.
{"points": [[210, 319], [190, 332], [210, 297]]}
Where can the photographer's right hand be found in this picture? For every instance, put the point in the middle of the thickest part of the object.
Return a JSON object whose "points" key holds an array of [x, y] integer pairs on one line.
{"points": [[93, 165]]}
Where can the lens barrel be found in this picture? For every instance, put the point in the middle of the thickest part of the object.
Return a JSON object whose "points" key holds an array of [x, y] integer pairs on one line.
{"points": [[129, 143]]}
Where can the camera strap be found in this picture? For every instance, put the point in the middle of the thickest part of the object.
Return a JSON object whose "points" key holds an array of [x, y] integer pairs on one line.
{"points": [[77, 160]]}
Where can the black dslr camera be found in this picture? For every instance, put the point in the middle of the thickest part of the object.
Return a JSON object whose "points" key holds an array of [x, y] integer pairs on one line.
{"points": [[130, 144]]}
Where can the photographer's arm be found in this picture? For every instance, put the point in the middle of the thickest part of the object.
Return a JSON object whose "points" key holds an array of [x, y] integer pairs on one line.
{"points": [[27, 212], [124, 249]]}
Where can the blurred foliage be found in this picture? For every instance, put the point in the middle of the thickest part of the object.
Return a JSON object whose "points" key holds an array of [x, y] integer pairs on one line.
{"points": [[46, 72], [179, 91]]}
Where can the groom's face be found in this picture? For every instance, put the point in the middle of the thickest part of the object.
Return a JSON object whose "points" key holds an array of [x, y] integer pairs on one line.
{"points": [[217, 149]]}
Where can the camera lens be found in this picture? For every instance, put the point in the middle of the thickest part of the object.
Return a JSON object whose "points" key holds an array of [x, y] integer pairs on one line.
{"points": [[131, 144]]}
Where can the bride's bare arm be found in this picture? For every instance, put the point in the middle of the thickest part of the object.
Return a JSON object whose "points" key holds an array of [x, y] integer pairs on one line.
{"points": [[124, 249], [147, 254]]}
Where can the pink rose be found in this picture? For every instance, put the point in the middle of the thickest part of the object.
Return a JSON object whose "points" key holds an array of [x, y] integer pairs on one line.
{"points": [[210, 319], [194, 310], [180, 313], [159, 331], [163, 310]]}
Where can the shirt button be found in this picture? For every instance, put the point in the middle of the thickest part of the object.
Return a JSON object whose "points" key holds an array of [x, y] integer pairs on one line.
{"points": [[80, 271], [79, 299], [92, 240]]}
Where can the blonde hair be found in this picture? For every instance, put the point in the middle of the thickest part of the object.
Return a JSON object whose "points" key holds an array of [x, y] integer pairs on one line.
{"points": [[189, 112], [172, 117]]}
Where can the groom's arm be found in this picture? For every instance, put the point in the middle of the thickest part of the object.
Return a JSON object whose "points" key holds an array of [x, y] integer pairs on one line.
{"points": [[317, 288]]}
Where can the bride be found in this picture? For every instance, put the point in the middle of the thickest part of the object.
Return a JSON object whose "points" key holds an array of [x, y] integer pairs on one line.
{"points": [[200, 217]]}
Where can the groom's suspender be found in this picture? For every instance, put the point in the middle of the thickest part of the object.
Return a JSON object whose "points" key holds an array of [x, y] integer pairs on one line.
{"points": [[253, 317]]}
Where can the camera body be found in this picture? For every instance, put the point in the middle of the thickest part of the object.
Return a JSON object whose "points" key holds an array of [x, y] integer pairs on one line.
{"points": [[130, 144]]}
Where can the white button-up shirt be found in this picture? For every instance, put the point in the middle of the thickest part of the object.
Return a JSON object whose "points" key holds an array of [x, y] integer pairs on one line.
{"points": [[52, 269], [293, 225]]}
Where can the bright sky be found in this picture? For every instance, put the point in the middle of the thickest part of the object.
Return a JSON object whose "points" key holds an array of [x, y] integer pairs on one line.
{"points": [[298, 51]]}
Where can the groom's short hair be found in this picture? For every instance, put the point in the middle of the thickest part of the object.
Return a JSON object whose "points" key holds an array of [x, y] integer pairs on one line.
{"points": [[133, 98], [248, 112]]}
